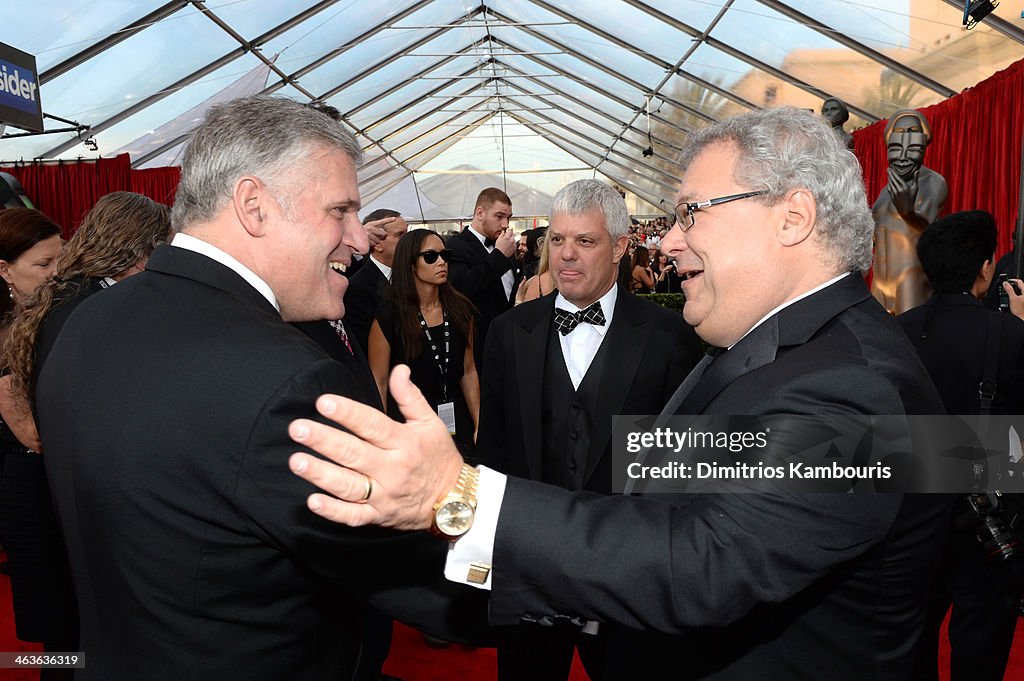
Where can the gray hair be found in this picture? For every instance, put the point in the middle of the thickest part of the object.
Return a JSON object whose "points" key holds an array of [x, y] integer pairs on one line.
{"points": [[589, 196], [785, 148], [267, 137]]}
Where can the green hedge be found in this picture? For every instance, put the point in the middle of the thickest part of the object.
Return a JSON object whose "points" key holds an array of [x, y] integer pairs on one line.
{"points": [[669, 301]]}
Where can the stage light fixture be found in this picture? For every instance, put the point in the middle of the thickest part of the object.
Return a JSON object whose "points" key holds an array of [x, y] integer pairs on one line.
{"points": [[90, 144], [648, 152], [975, 12]]}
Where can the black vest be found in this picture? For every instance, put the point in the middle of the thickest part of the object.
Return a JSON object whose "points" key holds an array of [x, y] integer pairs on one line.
{"points": [[567, 417]]}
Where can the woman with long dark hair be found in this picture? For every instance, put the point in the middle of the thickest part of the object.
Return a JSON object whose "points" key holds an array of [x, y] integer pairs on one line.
{"points": [[428, 325], [643, 278], [668, 279], [113, 242], [29, 245]]}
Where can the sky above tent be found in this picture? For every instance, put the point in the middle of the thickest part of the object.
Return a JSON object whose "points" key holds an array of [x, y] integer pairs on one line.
{"points": [[536, 92]]}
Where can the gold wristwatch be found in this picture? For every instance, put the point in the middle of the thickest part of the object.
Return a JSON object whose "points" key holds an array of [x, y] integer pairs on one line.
{"points": [[454, 512]]}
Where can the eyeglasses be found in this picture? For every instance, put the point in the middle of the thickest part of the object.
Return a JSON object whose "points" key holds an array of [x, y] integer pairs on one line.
{"points": [[431, 256], [685, 211]]}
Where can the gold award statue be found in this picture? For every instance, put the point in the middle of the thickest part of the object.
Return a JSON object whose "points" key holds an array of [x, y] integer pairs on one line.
{"points": [[910, 202]]}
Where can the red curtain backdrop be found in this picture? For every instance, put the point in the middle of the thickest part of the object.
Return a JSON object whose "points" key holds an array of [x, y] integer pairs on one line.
{"points": [[976, 146], [66, 190], [159, 184]]}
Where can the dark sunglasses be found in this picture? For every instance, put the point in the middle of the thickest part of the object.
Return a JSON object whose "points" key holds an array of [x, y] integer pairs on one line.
{"points": [[431, 256]]}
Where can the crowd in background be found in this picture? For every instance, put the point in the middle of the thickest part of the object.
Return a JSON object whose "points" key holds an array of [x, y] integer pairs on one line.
{"points": [[418, 299]]}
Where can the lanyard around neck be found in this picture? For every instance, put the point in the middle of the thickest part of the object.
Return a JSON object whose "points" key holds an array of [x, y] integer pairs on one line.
{"points": [[442, 364]]}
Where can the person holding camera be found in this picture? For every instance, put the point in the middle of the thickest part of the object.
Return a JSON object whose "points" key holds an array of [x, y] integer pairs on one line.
{"points": [[668, 280], [959, 341]]}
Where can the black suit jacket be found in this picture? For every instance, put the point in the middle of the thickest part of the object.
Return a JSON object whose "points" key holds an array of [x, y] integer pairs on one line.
{"points": [[323, 333], [954, 352], [164, 406], [477, 275], [366, 291], [826, 586], [652, 351]]}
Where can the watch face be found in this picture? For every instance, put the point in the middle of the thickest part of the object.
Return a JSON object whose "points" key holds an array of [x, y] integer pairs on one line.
{"points": [[454, 518]]}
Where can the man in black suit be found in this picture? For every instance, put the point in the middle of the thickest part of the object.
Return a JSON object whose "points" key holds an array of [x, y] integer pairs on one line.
{"points": [[368, 286], [163, 406], [483, 267], [772, 233], [549, 391], [955, 333]]}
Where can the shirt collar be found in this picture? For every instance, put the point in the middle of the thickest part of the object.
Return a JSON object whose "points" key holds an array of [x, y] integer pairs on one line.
{"points": [[480, 236], [191, 243], [382, 267]]}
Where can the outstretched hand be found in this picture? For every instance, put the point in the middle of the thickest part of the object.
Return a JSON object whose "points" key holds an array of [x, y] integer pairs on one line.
{"points": [[406, 466]]}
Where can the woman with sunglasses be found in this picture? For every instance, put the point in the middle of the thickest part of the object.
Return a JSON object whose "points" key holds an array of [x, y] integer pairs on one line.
{"points": [[425, 323]]}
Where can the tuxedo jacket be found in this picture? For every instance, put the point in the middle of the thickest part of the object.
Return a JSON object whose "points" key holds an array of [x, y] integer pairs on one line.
{"points": [[955, 329], [164, 406], [366, 291], [651, 350], [477, 275], [323, 333], [764, 586]]}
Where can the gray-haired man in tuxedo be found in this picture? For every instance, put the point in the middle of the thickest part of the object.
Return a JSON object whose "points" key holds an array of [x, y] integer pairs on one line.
{"points": [[557, 369]]}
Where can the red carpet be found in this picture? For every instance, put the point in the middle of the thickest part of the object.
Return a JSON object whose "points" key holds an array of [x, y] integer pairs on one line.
{"points": [[413, 660]]}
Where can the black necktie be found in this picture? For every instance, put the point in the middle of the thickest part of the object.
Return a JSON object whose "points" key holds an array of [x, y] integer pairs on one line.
{"points": [[489, 243], [566, 321]]}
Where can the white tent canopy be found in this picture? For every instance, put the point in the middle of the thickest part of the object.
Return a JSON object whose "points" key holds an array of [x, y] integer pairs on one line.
{"points": [[528, 92]]}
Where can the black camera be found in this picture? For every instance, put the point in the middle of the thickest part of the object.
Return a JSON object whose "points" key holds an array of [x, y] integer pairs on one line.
{"points": [[993, 531], [1004, 297]]}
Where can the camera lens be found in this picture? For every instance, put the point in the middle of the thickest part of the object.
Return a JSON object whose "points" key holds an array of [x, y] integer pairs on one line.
{"points": [[997, 540]]}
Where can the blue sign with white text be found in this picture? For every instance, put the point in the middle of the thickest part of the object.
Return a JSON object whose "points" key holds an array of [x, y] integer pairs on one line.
{"points": [[19, 90]]}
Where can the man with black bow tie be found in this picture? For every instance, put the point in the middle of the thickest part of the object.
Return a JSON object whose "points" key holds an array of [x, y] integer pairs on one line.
{"points": [[557, 369], [482, 267], [772, 233]]}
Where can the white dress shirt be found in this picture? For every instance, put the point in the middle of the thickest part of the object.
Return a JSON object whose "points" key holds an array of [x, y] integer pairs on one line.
{"points": [[580, 346]]}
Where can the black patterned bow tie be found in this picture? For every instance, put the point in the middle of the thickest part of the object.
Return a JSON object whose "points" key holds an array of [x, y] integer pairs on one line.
{"points": [[489, 243], [566, 321]]}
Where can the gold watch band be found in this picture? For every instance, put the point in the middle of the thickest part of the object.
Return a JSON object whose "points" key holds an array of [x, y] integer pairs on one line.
{"points": [[465, 488]]}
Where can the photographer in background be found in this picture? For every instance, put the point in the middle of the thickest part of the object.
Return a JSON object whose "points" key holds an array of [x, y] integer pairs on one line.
{"points": [[961, 341], [668, 278]]}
